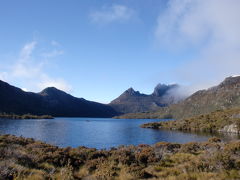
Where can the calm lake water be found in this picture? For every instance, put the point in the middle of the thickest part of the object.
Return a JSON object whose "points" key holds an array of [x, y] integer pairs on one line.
{"points": [[94, 132]]}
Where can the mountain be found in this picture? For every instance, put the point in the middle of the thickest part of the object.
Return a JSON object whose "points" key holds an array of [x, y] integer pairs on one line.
{"points": [[132, 101], [223, 96], [50, 101]]}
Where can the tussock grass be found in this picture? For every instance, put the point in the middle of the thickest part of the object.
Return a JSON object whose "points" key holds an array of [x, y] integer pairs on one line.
{"points": [[25, 158]]}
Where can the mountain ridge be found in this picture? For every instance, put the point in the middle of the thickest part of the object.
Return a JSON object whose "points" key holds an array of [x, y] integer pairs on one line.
{"points": [[131, 101], [223, 96], [51, 101]]}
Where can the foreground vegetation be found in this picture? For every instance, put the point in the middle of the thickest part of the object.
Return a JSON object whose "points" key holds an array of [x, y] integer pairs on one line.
{"points": [[221, 120], [24, 158], [25, 116]]}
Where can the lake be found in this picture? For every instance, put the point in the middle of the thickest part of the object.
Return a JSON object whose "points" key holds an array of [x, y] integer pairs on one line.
{"points": [[97, 133]]}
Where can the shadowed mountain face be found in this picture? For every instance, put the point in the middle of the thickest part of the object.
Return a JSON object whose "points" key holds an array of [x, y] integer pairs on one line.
{"points": [[132, 101], [50, 101]]}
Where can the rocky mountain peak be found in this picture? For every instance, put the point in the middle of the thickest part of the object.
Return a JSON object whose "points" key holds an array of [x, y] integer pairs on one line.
{"points": [[231, 81], [131, 92]]}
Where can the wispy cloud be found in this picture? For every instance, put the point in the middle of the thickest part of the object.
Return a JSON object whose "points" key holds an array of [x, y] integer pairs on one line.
{"points": [[114, 13], [28, 70], [52, 53], [56, 51], [210, 29], [26, 51]]}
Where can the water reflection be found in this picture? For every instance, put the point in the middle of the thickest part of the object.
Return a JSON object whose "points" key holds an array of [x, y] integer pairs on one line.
{"points": [[95, 132]]}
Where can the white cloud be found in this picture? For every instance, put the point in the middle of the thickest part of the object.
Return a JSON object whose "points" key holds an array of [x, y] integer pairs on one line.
{"points": [[28, 70], [57, 82], [25, 66], [112, 14], [210, 28]]}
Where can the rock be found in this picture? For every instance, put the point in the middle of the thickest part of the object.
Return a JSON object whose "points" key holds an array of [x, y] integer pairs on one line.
{"points": [[233, 128]]}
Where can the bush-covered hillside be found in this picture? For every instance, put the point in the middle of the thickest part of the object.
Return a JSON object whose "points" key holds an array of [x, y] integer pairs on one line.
{"points": [[221, 120]]}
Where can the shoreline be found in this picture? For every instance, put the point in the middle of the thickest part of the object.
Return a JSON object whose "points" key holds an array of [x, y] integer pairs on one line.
{"points": [[220, 121], [25, 116]]}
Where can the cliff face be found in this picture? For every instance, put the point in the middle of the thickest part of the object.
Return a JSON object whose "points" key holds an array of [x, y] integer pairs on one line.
{"points": [[50, 101]]}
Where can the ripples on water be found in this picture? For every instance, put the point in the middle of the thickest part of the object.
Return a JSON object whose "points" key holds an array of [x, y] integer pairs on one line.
{"points": [[94, 132]]}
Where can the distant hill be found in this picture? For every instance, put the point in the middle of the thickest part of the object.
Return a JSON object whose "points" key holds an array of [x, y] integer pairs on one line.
{"points": [[50, 101], [132, 101], [224, 96]]}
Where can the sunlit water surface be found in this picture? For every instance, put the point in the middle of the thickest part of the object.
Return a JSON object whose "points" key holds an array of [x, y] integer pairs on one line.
{"points": [[94, 132]]}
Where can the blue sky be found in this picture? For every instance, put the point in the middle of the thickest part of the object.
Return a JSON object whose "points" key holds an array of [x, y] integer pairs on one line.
{"points": [[97, 49]]}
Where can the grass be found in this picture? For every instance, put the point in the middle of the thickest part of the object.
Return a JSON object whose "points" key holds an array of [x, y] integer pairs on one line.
{"points": [[25, 158]]}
